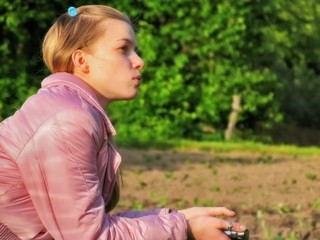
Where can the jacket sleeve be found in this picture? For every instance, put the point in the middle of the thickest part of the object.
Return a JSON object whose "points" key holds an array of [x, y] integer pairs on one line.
{"points": [[137, 214], [59, 169]]}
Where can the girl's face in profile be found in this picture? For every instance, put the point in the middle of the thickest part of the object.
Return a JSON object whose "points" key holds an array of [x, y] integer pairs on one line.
{"points": [[114, 66]]}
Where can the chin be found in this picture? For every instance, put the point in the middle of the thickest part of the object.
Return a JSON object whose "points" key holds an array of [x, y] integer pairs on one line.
{"points": [[131, 97]]}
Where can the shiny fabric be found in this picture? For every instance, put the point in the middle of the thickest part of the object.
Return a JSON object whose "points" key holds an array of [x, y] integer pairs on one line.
{"points": [[58, 167], [6, 234]]}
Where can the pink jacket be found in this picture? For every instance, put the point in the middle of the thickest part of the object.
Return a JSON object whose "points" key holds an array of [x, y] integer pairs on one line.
{"points": [[57, 169]]}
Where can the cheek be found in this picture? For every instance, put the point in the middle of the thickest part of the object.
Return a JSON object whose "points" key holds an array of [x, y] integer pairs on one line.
{"points": [[103, 69], [124, 61], [112, 67]]}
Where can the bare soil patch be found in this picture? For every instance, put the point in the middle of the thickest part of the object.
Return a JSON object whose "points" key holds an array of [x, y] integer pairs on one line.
{"points": [[274, 196]]}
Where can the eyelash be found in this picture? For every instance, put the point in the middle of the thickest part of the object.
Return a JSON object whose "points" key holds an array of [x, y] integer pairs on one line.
{"points": [[125, 48]]}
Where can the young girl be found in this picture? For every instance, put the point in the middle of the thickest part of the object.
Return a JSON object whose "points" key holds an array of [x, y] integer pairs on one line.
{"points": [[58, 168]]}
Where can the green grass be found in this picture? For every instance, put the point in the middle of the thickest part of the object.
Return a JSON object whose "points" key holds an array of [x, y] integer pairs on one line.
{"points": [[221, 146]]}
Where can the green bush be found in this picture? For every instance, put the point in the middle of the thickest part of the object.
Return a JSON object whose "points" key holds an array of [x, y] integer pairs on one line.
{"points": [[198, 54]]}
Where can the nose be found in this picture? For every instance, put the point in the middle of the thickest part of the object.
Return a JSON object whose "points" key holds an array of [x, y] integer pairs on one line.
{"points": [[137, 62]]}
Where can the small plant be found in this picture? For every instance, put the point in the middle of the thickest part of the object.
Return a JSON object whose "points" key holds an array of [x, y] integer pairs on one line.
{"points": [[196, 201], [168, 174], [265, 158], [208, 203], [292, 236], [236, 189], [311, 176], [278, 237], [163, 202], [265, 228], [142, 184], [214, 171], [138, 171], [154, 196], [316, 204], [215, 189], [187, 161], [283, 209], [181, 204], [220, 159], [208, 164], [137, 206], [121, 204]]}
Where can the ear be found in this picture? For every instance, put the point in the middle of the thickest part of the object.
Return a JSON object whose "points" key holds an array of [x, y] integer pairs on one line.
{"points": [[79, 61]]}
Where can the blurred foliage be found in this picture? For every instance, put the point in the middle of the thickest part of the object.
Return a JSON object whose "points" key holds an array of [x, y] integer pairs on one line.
{"points": [[198, 54], [23, 25]]}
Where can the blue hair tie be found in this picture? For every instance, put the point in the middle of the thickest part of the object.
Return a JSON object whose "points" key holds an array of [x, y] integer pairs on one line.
{"points": [[72, 11]]}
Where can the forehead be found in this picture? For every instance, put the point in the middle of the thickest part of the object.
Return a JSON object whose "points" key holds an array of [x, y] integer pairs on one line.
{"points": [[115, 30]]}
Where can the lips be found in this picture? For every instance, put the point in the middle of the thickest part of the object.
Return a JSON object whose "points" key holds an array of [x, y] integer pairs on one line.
{"points": [[137, 79]]}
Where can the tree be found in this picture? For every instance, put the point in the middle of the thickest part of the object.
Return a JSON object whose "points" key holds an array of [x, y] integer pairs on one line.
{"points": [[198, 55]]}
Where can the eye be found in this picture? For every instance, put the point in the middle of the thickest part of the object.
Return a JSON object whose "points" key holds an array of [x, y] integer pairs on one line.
{"points": [[125, 49]]}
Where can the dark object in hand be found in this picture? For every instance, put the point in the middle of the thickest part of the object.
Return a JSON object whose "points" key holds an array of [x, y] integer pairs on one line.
{"points": [[237, 235]]}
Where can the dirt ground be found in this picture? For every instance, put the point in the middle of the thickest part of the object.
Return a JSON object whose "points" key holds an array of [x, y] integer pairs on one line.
{"points": [[276, 197]]}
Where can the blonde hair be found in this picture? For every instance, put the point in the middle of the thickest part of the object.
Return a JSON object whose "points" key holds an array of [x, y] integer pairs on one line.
{"points": [[69, 33]]}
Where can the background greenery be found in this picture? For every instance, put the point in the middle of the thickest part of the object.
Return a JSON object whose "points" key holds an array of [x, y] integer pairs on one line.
{"points": [[198, 54]]}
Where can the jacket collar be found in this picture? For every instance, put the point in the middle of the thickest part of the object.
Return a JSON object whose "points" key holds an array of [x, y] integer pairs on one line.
{"points": [[75, 83]]}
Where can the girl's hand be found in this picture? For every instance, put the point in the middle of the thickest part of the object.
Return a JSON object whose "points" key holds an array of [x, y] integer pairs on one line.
{"points": [[209, 228], [194, 212], [203, 223]]}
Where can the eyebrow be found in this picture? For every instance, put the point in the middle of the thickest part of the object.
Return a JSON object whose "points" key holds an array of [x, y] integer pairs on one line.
{"points": [[133, 43]]}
